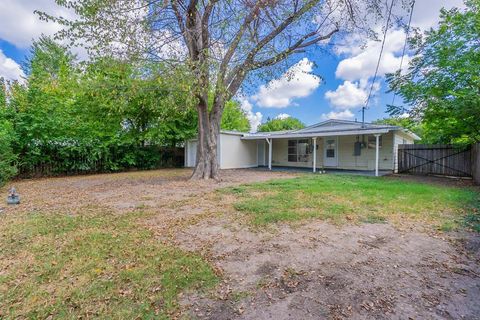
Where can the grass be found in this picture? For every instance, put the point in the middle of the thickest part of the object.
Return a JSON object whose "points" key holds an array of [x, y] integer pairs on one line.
{"points": [[95, 265], [342, 198]]}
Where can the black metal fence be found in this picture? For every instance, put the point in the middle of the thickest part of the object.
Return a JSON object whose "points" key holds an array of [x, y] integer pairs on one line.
{"points": [[56, 163]]}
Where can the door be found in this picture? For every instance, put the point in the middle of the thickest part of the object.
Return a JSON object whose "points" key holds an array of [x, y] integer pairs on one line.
{"points": [[261, 153], [330, 154]]}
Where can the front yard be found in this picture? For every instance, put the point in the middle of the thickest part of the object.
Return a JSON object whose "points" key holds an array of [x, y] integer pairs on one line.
{"points": [[153, 245]]}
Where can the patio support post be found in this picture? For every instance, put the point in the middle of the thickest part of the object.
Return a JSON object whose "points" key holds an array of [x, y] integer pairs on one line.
{"points": [[314, 154], [377, 140], [269, 141]]}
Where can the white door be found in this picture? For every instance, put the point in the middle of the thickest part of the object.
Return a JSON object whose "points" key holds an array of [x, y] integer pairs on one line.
{"points": [[261, 153], [191, 153], [330, 153]]}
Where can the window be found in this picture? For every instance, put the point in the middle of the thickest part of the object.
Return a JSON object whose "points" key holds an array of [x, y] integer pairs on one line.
{"points": [[298, 150], [371, 142], [330, 148]]}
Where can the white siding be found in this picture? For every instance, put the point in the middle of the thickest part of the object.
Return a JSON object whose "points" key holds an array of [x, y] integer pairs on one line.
{"points": [[237, 153], [190, 153], [366, 160], [399, 138]]}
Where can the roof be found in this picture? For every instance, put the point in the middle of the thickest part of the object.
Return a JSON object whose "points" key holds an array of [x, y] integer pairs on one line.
{"points": [[331, 128]]}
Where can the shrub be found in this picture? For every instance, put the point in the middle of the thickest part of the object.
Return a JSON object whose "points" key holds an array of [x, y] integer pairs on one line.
{"points": [[7, 157]]}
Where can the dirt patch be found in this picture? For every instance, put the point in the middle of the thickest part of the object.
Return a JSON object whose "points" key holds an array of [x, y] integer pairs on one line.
{"points": [[124, 191], [317, 270]]}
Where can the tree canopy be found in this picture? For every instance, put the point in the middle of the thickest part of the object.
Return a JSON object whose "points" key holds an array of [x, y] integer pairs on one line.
{"points": [[234, 118], [280, 124], [442, 85], [105, 115]]}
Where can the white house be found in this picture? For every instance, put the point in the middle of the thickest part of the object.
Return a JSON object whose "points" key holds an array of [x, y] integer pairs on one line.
{"points": [[338, 144]]}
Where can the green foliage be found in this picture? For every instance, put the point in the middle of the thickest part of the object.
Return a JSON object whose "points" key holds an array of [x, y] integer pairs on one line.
{"points": [[234, 118], [7, 156], [443, 83], [277, 124], [106, 115], [343, 198]]}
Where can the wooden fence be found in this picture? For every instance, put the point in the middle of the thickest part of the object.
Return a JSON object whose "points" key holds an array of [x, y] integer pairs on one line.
{"points": [[425, 159], [476, 163]]}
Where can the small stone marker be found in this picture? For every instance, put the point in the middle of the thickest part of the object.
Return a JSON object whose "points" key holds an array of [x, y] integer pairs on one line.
{"points": [[13, 197]]}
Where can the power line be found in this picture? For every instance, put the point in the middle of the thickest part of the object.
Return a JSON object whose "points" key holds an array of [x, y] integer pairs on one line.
{"points": [[378, 62], [405, 45]]}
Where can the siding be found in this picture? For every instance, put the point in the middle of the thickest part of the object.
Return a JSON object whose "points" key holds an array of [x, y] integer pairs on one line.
{"points": [[237, 153], [399, 138], [366, 160]]}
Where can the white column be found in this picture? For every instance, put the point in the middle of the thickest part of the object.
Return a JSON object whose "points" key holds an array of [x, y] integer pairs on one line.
{"points": [[377, 140], [314, 154], [269, 141]]}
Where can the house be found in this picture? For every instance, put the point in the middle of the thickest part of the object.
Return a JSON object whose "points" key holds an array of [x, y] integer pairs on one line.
{"points": [[338, 144]]}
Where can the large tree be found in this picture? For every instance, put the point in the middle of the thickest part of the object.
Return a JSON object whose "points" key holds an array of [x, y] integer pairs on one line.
{"points": [[223, 42], [442, 85]]}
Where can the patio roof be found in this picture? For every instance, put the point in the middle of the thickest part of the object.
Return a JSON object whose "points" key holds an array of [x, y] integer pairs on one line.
{"points": [[330, 128]]}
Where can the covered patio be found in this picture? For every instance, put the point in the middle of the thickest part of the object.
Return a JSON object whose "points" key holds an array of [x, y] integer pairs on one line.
{"points": [[329, 151], [367, 173]]}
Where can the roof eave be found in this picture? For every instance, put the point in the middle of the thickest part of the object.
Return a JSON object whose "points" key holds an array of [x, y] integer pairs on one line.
{"points": [[316, 134]]}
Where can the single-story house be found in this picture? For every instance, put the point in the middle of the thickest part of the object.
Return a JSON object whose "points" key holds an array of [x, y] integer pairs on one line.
{"points": [[338, 144]]}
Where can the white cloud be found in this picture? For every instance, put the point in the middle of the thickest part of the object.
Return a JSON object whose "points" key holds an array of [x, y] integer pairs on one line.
{"points": [[282, 116], [9, 69], [360, 57], [362, 63], [255, 118], [426, 12], [297, 82], [19, 25], [350, 94], [341, 115]]}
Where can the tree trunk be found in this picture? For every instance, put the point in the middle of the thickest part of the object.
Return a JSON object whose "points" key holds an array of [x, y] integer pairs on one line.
{"points": [[207, 163], [208, 135]]}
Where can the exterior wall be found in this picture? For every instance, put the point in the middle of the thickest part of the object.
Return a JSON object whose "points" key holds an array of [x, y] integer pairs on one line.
{"points": [[399, 138], [190, 153], [237, 153], [366, 160], [345, 149], [280, 154]]}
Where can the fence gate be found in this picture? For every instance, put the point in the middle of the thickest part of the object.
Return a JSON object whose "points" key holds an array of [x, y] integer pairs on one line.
{"points": [[434, 159]]}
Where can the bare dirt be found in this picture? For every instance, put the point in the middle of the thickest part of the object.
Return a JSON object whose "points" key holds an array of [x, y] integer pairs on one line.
{"points": [[308, 270]]}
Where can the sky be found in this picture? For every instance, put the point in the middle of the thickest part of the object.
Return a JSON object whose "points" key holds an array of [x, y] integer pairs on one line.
{"points": [[317, 87]]}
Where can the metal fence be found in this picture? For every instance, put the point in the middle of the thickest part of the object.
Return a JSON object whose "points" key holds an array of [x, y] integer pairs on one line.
{"points": [[58, 164]]}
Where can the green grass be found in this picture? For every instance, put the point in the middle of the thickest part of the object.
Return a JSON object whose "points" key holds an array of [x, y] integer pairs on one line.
{"points": [[96, 265], [341, 198]]}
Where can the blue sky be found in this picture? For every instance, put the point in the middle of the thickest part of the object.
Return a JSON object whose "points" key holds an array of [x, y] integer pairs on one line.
{"points": [[346, 72]]}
